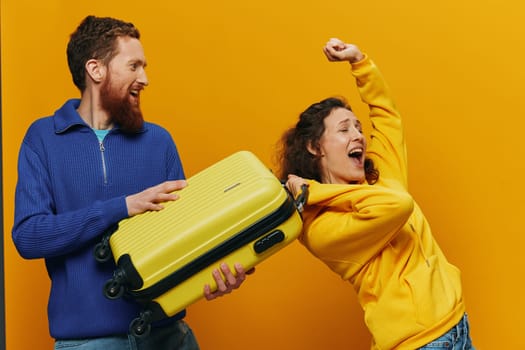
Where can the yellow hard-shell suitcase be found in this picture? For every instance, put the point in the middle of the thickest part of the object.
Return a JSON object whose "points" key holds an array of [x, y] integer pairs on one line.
{"points": [[235, 211]]}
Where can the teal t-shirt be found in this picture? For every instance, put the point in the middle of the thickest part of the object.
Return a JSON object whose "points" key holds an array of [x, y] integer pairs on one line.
{"points": [[101, 134]]}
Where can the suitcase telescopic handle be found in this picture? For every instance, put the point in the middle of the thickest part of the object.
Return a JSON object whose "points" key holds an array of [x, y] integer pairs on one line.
{"points": [[302, 198]]}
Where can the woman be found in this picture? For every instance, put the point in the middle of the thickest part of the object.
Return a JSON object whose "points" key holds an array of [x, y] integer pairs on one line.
{"points": [[361, 221]]}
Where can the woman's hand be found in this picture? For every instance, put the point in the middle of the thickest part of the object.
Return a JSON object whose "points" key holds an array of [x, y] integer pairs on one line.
{"points": [[336, 50], [294, 184]]}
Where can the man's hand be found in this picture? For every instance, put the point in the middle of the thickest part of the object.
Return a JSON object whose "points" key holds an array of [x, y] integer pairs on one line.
{"points": [[336, 50], [150, 198], [229, 283]]}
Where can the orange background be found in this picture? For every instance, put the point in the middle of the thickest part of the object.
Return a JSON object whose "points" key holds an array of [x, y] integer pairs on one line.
{"points": [[230, 75]]}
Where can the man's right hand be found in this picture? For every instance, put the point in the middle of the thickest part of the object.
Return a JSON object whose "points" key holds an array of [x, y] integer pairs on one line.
{"points": [[151, 198]]}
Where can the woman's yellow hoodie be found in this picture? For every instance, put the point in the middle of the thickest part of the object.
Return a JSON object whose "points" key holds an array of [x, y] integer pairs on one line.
{"points": [[377, 238]]}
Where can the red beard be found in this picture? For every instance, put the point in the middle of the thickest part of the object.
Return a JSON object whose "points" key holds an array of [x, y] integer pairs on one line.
{"points": [[121, 110]]}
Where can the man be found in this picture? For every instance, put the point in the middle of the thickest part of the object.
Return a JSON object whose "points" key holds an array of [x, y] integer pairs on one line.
{"points": [[90, 165]]}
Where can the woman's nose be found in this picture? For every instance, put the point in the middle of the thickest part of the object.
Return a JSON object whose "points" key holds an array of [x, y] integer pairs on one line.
{"points": [[356, 134]]}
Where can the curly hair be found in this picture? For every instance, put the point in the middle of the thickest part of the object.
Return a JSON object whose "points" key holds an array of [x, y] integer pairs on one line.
{"points": [[294, 157], [95, 38]]}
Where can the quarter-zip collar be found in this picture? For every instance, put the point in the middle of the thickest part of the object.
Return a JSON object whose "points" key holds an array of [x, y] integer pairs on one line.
{"points": [[67, 117]]}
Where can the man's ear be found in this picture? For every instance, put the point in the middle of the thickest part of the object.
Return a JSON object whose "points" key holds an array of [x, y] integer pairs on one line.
{"points": [[95, 70]]}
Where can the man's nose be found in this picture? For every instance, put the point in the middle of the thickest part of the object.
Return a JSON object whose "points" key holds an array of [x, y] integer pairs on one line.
{"points": [[143, 78]]}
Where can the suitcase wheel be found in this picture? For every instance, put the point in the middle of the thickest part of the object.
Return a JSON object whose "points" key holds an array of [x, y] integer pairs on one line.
{"points": [[141, 326], [113, 289], [102, 252]]}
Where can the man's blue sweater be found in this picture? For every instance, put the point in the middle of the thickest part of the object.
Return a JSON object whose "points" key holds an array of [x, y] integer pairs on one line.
{"points": [[70, 189]]}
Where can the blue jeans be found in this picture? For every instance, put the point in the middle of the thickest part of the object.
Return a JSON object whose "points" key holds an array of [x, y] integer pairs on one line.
{"points": [[458, 338], [175, 336]]}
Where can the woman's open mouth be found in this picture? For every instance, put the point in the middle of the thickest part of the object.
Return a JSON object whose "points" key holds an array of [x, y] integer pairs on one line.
{"points": [[357, 154]]}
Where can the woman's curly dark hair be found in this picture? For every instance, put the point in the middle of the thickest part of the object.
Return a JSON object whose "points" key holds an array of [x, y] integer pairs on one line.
{"points": [[294, 157]]}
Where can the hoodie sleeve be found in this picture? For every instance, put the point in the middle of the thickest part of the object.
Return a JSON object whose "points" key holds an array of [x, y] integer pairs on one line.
{"points": [[347, 225], [387, 143]]}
